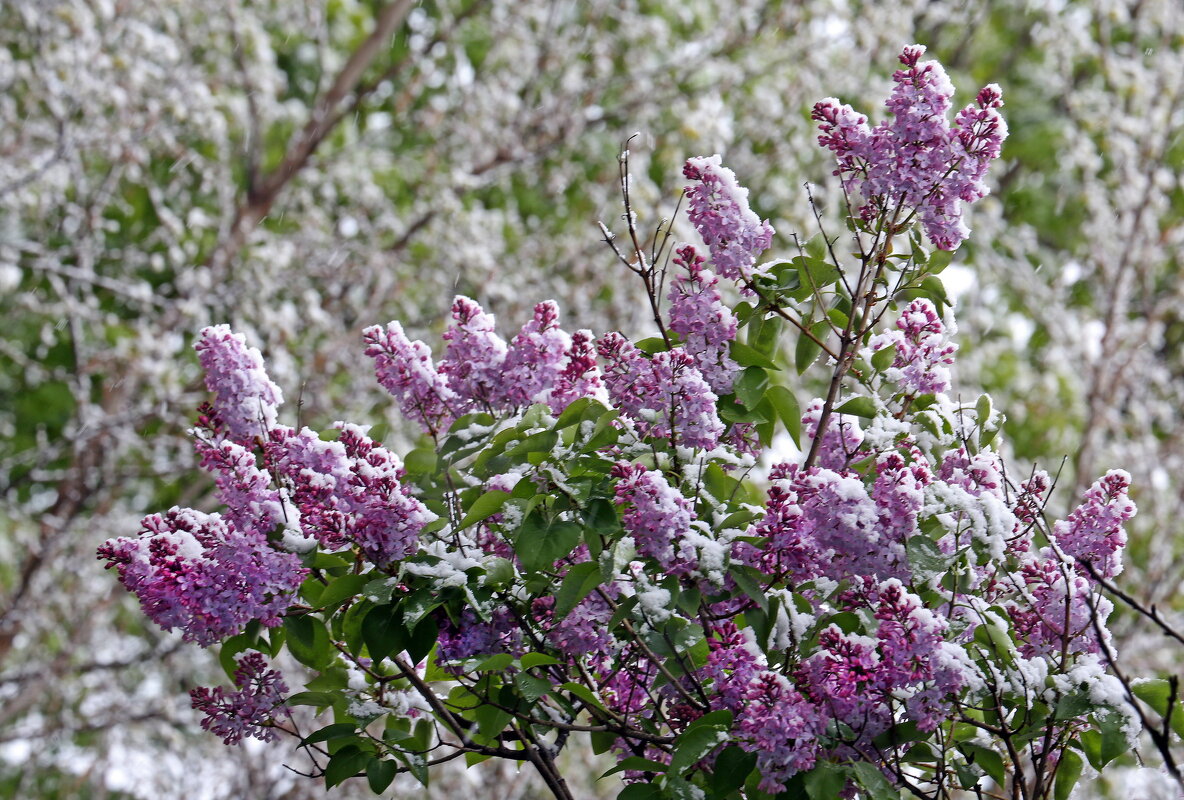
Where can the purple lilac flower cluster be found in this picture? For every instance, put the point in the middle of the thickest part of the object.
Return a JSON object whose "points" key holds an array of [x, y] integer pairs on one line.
{"points": [[251, 710], [924, 351], [480, 372], [247, 400], [665, 395], [705, 324], [718, 208], [197, 572], [917, 160], [1094, 532], [658, 518]]}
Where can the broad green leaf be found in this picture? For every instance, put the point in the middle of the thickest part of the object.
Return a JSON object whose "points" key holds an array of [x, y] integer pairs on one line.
{"points": [[532, 660], [579, 582], [788, 410], [870, 778], [640, 791], [882, 359], [343, 588], [805, 351], [1158, 694], [538, 544], [309, 642], [636, 763], [732, 766], [751, 386], [497, 662], [380, 774], [335, 731], [825, 781], [1068, 771], [747, 356], [420, 461], [344, 764], [383, 632], [485, 506], [532, 687], [858, 407], [990, 761]]}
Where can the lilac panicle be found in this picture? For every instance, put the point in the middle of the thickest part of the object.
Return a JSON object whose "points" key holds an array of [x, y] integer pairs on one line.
{"points": [[405, 369], [348, 491], [251, 710], [916, 160], [665, 395], [580, 376], [247, 401], [252, 502], [718, 208], [840, 440], [536, 358], [475, 355], [197, 572], [924, 352], [1094, 531], [706, 325], [659, 517]]}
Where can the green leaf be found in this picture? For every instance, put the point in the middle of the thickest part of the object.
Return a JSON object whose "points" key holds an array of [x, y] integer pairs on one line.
{"points": [[805, 351], [1068, 771], [939, 260], [532, 660], [344, 764], [538, 544], [858, 407], [574, 413], [750, 587], [751, 386], [309, 642], [651, 345], [583, 693], [693, 745], [788, 410], [485, 506], [732, 766], [383, 632], [423, 639], [990, 761], [343, 588], [496, 663], [747, 356], [491, 720], [380, 774], [882, 359], [870, 778], [602, 741], [636, 763], [335, 731], [579, 582], [640, 791], [532, 687], [1158, 694], [932, 286], [418, 606], [825, 781], [926, 558], [420, 461]]}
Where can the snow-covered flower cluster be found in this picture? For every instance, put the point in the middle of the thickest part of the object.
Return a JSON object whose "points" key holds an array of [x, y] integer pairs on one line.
{"points": [[916, 161]]}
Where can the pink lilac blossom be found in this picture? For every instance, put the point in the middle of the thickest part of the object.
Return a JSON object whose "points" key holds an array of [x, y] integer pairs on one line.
{"points": [[917, 160], [1058, 614], [536, 358], [705, 324], [781, 726], [718, 208], [899, 495], [252, 502], [1094, 530], [979, 474], [247, 401], [924, 352], [349, 491], [405, 369], [659, 517], [472, 637], [251, 710], [475, 354], [665, 395], [819, 522], [197, 572], [580, 375], [840, 441], [583, 632]]}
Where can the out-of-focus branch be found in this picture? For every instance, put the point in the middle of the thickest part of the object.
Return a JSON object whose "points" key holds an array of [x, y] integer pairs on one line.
{"points": [[326, 114]]}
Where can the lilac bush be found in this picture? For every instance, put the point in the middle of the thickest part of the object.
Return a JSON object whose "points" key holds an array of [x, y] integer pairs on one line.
{"points": [[580, 544]]}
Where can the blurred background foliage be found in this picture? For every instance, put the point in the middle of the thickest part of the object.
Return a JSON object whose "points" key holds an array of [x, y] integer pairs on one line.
{"points": [[301, 170]]}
